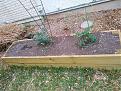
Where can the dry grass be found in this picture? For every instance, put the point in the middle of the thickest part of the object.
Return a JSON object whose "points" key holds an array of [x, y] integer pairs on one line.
{"points": [[9, 32], [13, 32]]}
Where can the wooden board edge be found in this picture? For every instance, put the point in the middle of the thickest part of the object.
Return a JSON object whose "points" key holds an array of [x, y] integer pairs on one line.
{"points": [[112, 60], [100, 55]]}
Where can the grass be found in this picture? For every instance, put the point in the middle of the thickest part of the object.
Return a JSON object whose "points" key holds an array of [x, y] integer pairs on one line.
{"points": [[20, 78]]}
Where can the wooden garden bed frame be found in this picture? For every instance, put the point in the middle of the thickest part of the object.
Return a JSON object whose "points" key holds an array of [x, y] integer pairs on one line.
{"points": [[105, 61]]}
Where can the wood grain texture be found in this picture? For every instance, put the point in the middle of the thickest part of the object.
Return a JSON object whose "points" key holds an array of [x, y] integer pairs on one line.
{"points": [[96, 61]]}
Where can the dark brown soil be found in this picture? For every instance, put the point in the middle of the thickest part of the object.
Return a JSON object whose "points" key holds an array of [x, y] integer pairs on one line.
{"points": [[67, 45]]}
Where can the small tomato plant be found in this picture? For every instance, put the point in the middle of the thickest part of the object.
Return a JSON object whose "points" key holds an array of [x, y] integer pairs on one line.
{"points": [[42, 38], [86, 38]]}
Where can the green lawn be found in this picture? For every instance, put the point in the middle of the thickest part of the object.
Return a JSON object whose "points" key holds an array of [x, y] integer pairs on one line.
{"points": [[18, 78]]}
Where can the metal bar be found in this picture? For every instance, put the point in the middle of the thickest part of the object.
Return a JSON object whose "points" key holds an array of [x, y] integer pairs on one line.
{"points": [[28, 13], [46, 17], [37, 13]]}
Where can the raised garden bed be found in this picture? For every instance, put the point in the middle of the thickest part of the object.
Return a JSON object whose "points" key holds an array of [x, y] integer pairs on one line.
{"points": [[106, 44], [64, 51]]}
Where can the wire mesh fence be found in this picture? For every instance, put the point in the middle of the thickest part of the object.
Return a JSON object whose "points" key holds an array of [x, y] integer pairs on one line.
{"points": [[15, 10]]}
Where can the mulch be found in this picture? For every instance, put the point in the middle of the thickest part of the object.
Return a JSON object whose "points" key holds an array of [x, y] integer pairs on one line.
{"points": [[67, 45]]}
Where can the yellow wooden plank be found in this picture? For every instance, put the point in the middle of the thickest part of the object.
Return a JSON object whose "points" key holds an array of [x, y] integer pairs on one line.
{"points": [[114, 32], [112, 60], [71, 60]]}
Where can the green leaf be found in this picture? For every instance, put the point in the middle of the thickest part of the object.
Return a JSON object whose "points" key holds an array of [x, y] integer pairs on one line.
{"points": [[42, 38], [86, 38]]}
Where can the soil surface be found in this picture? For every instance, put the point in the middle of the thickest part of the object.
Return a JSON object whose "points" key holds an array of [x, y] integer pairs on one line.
{"points": [[67, 45]]}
